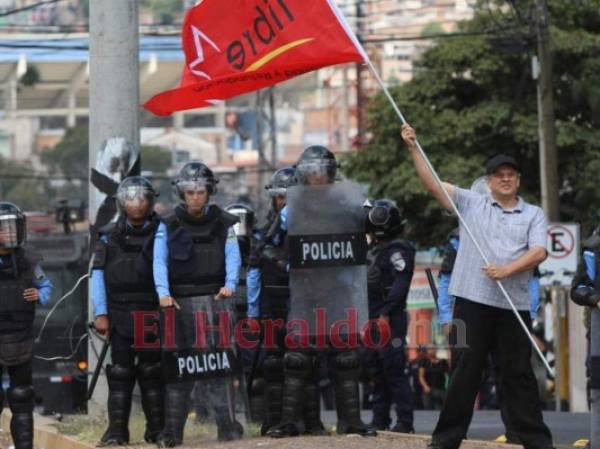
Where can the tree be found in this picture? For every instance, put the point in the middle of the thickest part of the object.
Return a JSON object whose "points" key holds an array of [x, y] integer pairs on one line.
{"points": [[20, 185], [70, 156], [155, 159], [165, 11], [473, 96]]}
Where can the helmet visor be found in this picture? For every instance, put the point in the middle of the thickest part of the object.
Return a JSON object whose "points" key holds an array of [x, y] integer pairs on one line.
{"points": [[316, 172], [277, 191], [9, 231], [134, 196], [195, 186], [379, 216]]}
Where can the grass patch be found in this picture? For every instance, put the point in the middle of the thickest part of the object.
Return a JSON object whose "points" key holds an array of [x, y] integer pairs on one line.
{"points": [[90, 428]]}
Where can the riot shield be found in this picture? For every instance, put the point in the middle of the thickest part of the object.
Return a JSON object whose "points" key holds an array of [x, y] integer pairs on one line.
{"points": [[199, 354], [328, 273]]}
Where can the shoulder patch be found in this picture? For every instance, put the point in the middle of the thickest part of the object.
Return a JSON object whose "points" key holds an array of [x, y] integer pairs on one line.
{"points": [[398, 262]]}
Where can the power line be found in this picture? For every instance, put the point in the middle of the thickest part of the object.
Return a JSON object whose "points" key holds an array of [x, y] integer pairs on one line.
{"points": [[27, 8], [42, 177], [177, 46]]}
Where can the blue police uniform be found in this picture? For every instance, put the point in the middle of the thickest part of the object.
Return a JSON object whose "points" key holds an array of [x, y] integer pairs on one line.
{"points": [[390, 272]]}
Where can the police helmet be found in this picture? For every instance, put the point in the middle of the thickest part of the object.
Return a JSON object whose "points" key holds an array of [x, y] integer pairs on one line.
{"points": [[134, 189], [316, 165], [245, 213], [13, 230], [281, 180], [383, 219], [195, 176]]}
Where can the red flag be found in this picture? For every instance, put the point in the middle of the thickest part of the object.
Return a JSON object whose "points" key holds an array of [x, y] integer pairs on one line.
{"points": [[237, 46]]}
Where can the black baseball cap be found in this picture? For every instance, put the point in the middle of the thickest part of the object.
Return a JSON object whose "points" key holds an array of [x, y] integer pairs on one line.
{"points": [[498, 160]]}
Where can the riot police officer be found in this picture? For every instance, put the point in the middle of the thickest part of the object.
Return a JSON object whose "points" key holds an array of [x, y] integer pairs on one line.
{"points": [[344, 279], [122, 284], [391, 266], [585, 291], [268, 296], [22, 284], [196, 268]]}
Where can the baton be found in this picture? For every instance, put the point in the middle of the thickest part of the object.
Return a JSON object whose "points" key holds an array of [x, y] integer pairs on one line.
{"points": [[432, 286], [101, 358], [261, 336]]}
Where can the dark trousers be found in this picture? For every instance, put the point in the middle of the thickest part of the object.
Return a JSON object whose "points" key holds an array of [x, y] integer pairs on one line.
{"points": [[496, 331], [20, 375], [387, 367], [123, 352]]}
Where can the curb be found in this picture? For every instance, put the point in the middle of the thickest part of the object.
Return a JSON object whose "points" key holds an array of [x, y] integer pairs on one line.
{"points": [[46, 436], [427, 438]]}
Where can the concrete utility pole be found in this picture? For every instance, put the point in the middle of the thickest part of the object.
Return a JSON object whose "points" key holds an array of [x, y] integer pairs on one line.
{"points": [[114, 98], [546, 120], [114, 78]]}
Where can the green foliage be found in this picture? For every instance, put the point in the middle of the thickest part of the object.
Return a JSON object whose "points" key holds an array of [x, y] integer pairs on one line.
{"points": [[31, 77], [70, 156], [474, 96], [155, 159], [165, 11], [18, 184]]}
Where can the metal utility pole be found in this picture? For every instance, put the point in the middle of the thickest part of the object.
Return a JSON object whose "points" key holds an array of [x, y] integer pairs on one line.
{"points": [[273, 127], [344, 135], [546, 120], [114, 94], [360, 96]]}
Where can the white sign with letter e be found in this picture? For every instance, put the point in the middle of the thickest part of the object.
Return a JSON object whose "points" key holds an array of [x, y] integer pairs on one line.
{"points": [[563, 253]]}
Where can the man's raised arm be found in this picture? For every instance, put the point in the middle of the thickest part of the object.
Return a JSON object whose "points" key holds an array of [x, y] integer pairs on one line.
{"points": [[410, 138]]}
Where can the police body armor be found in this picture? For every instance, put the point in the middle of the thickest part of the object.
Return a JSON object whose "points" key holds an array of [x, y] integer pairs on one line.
{"points": [[16, 314], [127, 262], [197, 251], [15, 277], [380, 274], [327, 255], [273, 260]]}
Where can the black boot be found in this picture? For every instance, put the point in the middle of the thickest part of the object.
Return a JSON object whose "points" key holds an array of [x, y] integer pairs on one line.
{"points": [[177, 404], [273, 391], [228, 429], [312, 411], [380, 423], [120, 386], [401, 427], [296, 370], [20, 400], [152, 389], [347, 365]]}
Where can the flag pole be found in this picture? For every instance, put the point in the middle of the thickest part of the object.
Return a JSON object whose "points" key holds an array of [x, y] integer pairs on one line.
{"points": [[459, 215]]}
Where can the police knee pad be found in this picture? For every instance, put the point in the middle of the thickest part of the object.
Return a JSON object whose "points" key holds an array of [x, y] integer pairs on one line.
{"points": [[119, 373], [20, 398], [273, 363], [149, 371], [273, 368], [296, 363], [347, 361]]}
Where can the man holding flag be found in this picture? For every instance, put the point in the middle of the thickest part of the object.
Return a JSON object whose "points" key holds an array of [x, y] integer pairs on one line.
{"points": [[512, 235]]}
